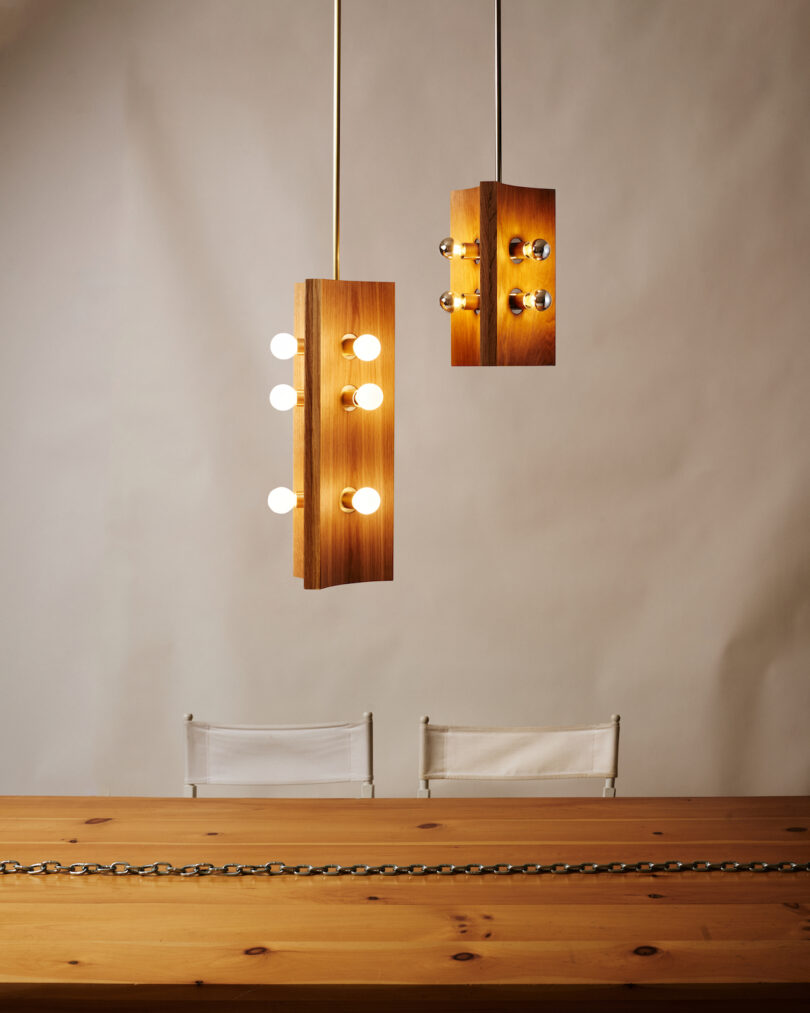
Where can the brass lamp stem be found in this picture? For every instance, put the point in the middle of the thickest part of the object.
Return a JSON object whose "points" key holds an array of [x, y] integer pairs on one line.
{"points": [[498, 144], [336, 150]]}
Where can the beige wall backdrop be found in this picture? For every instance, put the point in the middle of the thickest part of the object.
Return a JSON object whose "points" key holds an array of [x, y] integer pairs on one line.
{"points": [[625, 532]]}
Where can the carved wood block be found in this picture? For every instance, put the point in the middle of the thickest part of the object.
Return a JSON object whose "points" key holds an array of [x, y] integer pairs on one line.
{"points": [[495, 214], [335, 449]]}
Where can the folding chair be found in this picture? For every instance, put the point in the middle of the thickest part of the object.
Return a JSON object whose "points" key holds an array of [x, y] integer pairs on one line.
{"points": [[279, 754], [578, 751]]}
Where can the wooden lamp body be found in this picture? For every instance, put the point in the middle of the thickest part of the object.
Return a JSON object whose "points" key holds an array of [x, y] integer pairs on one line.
{"points": [[334, 449], [495, 214]]}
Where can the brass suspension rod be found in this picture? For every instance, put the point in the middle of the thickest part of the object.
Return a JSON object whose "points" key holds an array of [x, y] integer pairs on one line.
{"points": [[498, 144], [336, 150]]}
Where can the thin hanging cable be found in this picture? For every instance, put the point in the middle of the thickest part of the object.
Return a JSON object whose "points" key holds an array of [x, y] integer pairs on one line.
{"points": [[336, 150], [498, 144]]}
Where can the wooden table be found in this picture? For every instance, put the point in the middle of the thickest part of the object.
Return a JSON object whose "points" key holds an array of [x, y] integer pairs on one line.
{"points": [[76, 942]]}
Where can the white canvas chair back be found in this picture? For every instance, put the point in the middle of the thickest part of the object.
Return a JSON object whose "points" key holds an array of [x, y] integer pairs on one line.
{"points": [[519, 753], [279, 754]]}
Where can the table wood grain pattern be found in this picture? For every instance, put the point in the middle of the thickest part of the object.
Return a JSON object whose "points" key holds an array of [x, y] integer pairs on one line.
{"points": [[645, 930]]}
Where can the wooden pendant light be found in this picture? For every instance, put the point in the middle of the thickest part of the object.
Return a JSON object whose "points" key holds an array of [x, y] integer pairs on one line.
{"points": [[503, 260], [343, 428]]}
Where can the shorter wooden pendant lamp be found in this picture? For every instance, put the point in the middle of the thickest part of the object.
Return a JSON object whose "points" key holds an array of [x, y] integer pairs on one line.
{"points": [[503, 262], [343, 429]]}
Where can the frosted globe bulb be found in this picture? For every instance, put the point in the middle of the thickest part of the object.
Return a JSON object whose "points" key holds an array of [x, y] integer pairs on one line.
{"points": [[281, 500], [366, 500], [366, 347], [368, 396], [283, 397], [284, 346]]}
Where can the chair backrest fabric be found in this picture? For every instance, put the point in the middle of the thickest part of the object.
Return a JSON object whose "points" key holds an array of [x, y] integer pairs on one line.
{"points": [[519, 753], [282, 754]]}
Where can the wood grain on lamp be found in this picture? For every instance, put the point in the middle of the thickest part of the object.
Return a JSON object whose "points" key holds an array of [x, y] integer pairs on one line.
{"points": [[335, 449], [495, 214]]}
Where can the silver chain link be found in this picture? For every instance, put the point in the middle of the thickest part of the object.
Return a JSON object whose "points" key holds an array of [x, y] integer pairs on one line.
{"points": [[50, 867]]}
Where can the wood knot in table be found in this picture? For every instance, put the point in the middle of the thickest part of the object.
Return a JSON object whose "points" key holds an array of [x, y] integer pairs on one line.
{"points": [[464, 956], [100, 819], [255, 951], [645, 951]]}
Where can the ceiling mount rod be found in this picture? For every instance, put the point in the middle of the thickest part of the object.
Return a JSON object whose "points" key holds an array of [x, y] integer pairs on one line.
{"points": [[498, 143], [336, 150]]}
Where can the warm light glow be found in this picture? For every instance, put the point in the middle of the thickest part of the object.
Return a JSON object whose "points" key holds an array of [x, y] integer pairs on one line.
{"points": [[284, 346], [452, 301], [283, 397], [366, 500], [539, 300], [366, 347], [368, 396], [281, 500], [449, 248]]}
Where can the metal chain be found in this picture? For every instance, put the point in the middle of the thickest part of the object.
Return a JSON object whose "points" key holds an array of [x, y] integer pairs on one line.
{"points": [[52, 867]]}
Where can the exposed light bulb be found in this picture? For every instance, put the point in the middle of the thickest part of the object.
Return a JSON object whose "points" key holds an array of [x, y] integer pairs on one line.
{"points": [[449, 248], [366, 500], [366, 347], [283, 397], [281, 500], [368, 396], [538, 250], [539, 300], [284, 346], [452, 301]]}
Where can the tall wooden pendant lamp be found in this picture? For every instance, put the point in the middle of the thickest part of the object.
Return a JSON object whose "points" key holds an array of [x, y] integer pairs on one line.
{"points": [[342, 395]]}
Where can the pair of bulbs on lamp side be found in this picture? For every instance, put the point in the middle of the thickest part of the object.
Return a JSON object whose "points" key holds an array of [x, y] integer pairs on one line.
{"points": [[362, 501], [366, 347], [367, 396], [537, 249]]}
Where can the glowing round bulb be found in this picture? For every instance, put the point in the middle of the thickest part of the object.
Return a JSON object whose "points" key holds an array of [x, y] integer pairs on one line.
{"points": [[366, 500], [368, 396], [284, 346], [366, 347], [283, 397], [281, 500]]}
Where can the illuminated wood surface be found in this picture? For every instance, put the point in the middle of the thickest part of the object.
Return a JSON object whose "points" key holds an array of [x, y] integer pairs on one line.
{"points": [[465, 277], [508, 212], [661, 929], [496, 213], [335, 449]]}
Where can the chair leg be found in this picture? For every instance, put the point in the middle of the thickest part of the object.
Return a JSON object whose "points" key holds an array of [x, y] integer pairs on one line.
{"points": [[424, 790], [191, 791], [609, 790], [367, 790]]}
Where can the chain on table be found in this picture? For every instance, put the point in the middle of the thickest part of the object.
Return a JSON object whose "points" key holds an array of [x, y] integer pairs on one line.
{"points": [[52, 867]]}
